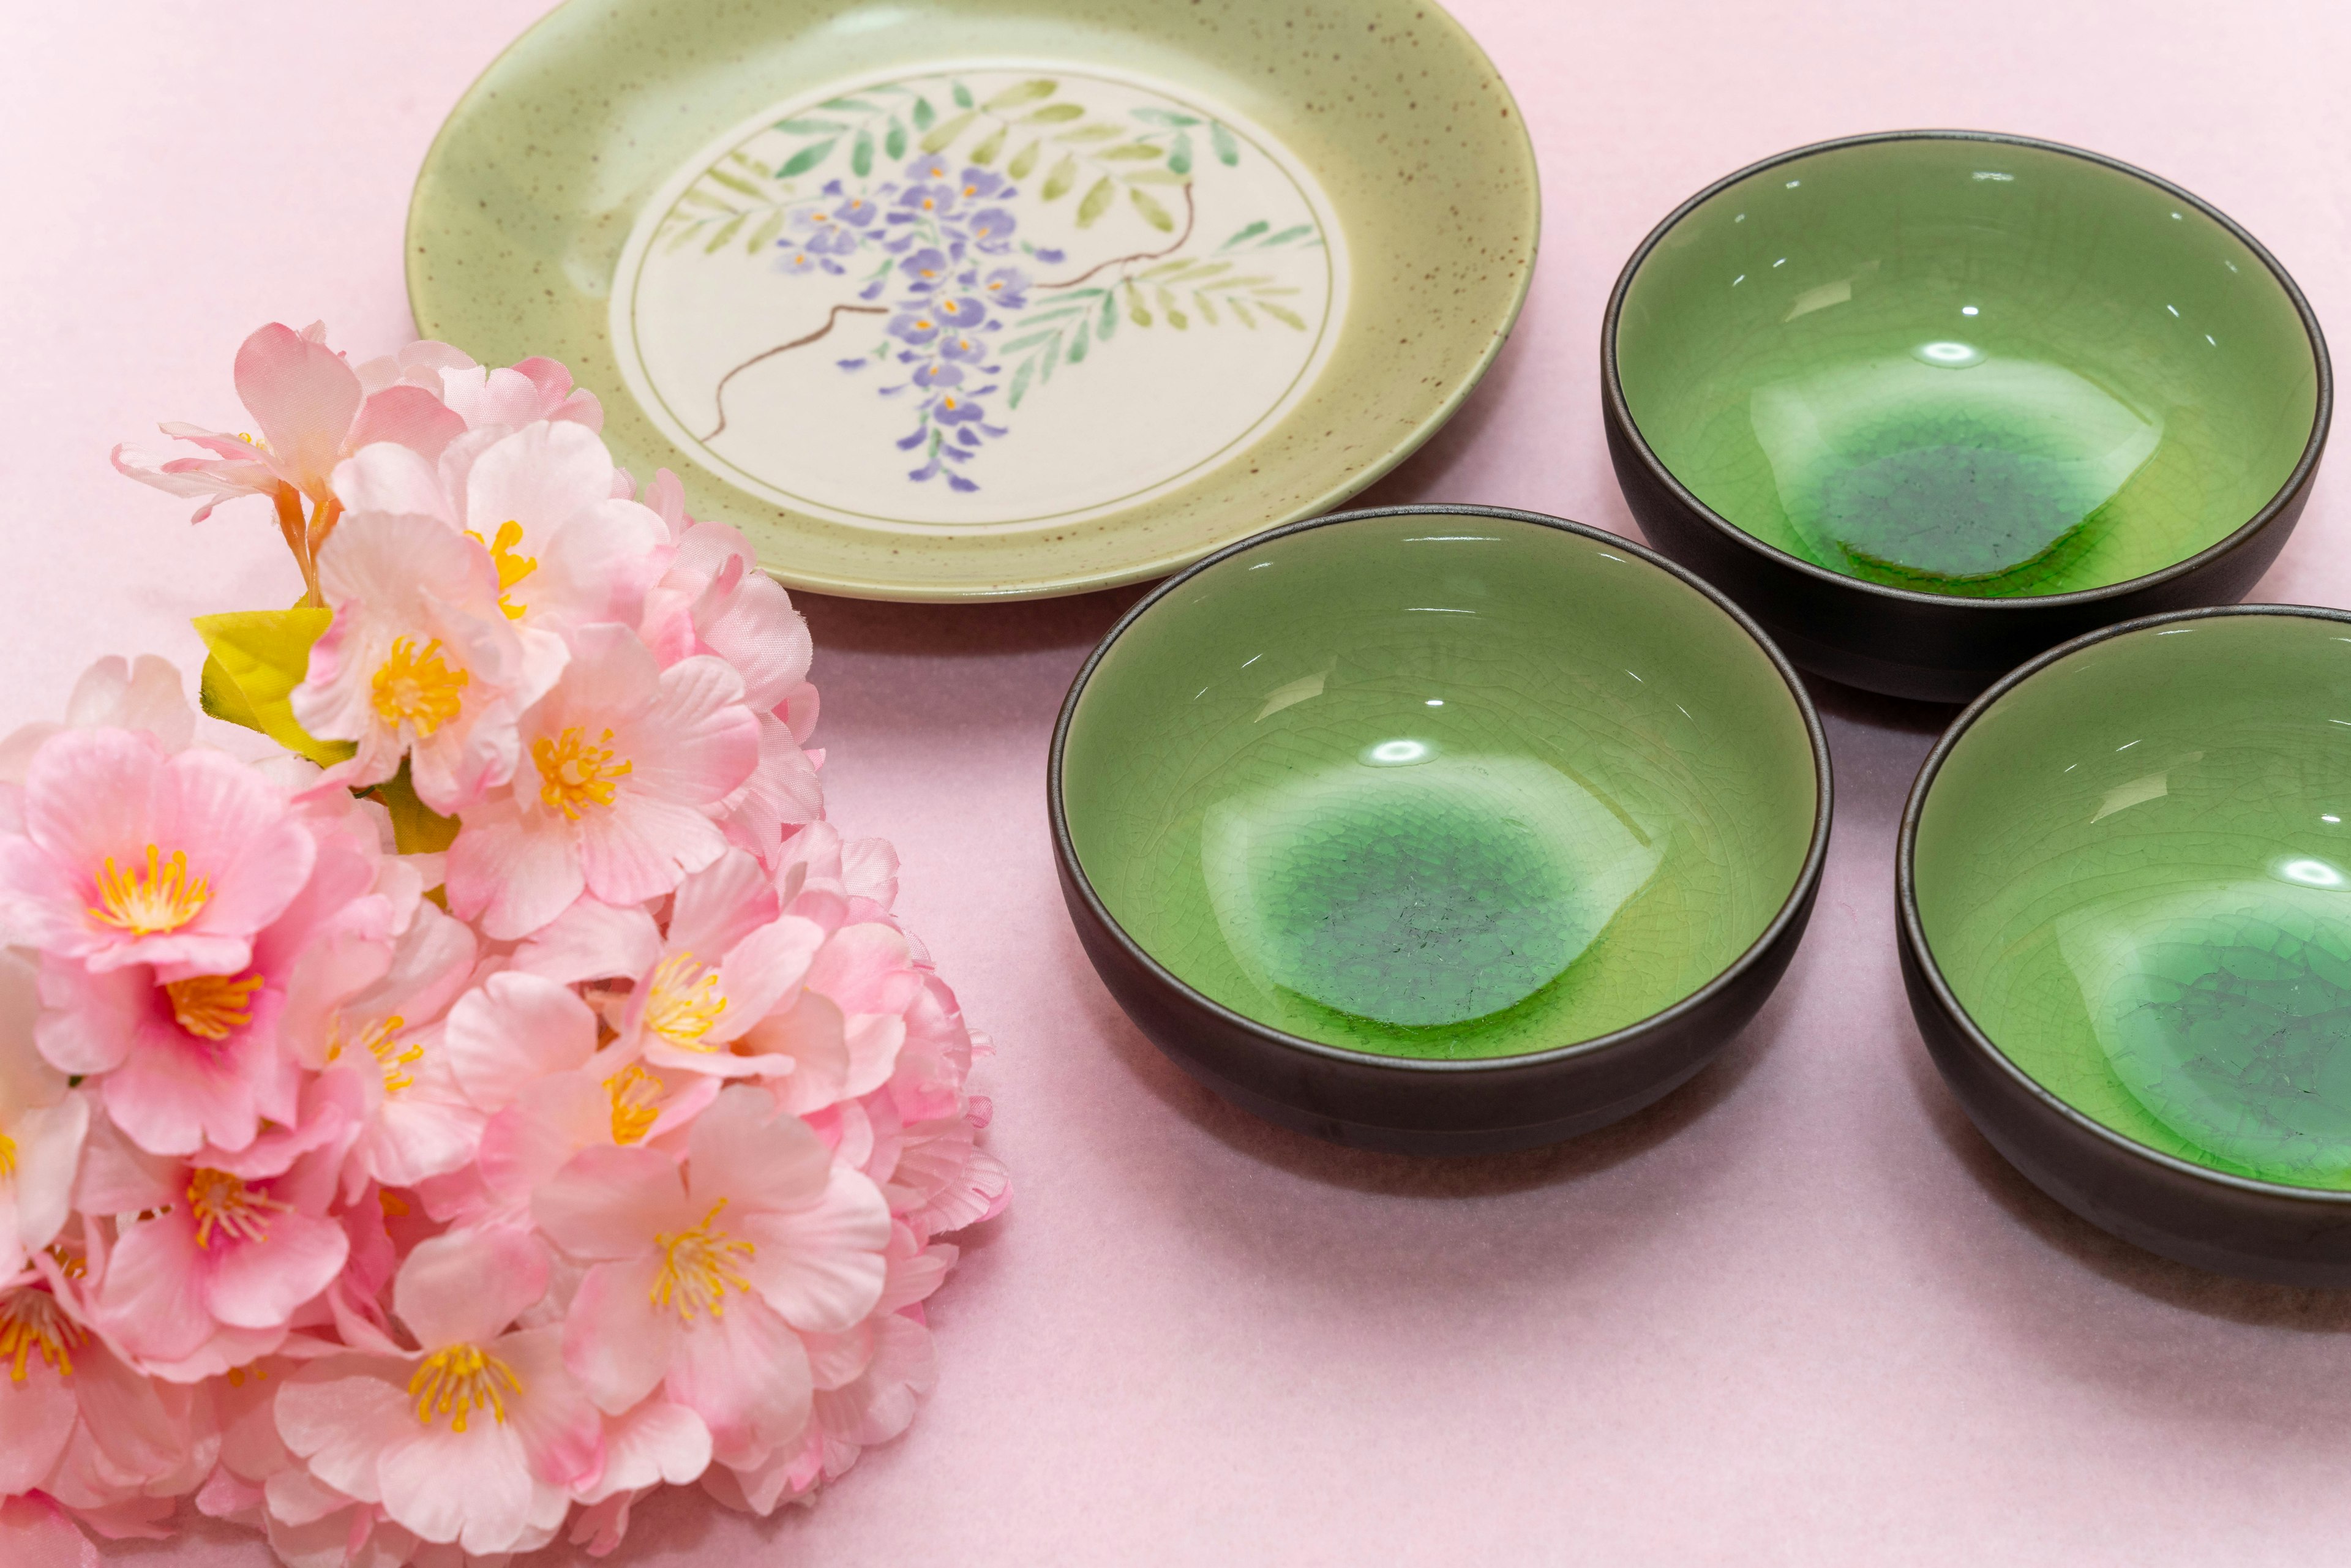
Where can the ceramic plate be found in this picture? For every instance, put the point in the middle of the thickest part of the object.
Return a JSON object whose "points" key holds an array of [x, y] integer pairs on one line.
{"points": [[964, 299]]}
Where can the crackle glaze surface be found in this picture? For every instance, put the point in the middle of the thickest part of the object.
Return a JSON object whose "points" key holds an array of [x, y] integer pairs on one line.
{"points": [[1967, 367], [1439, 786], [959, 299], [2134, 871]]}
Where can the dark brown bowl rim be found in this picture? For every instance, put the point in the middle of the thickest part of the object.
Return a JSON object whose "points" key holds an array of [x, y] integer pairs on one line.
{"points": [[1790, 911], [1914, 929], [2322, 414]]}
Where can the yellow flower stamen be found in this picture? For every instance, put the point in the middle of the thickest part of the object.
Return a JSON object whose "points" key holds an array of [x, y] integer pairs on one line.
{"points": [[391, 1203], [512, 568], [162, 898], [417, 687], [682, 1008], [31, 1322], [698, 1267], [634, 1094], [8, 1157], [222, 1202], [460, 1380], [390, 1054], [211, 1006], [574, 773]]}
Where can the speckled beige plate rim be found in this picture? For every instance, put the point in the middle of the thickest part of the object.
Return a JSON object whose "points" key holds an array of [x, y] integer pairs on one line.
{"points": [[450, 308]]}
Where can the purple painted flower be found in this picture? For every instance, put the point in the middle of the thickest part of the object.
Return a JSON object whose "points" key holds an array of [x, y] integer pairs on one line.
{"points": [[796, 258], [930, 168], [928, 267], [991, 229], [979, 184], [953, 409], [1049, 255], [936, 201], [962, 346], [1005, 288], [825, 237], [962, 312], [916, 327], [856, 212], [939, 374]]}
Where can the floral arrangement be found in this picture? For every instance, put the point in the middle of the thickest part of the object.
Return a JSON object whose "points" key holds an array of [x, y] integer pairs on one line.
{"points": [[491, 1090]]}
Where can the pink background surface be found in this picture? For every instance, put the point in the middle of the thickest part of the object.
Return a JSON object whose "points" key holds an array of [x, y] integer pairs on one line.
{"points": [[1799, 1312]]}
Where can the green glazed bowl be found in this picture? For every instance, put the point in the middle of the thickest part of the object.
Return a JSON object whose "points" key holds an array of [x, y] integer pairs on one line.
{"points": [[2126, 902], [1435, 787], [1870, 378]]}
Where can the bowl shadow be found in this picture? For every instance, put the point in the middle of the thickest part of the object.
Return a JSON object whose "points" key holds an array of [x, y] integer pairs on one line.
{"points": [[1441, 1176], [2255, 1303]]}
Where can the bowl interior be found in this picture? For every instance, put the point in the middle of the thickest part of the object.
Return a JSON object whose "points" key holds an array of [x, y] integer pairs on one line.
{"points": [[1439, 786], [1967, 367], [2134, 872]]}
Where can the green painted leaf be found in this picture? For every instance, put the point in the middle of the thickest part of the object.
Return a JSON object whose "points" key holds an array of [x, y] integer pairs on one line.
{"points": [[1052, 358], [1055, 114], [726, 232], [1022, 162], [1249, 282], [1135, 311], [924, 114], [1179, 157], [1153, 177], [1027, 340], [810, 127], [861, 156], [894, 143], [985, 154], [1286, 235], [946, 131], [962, 96], [1249, 233], [416, 828], [1241, 312], [1176, 318], [1097, 202], [1228, 151], [1086, 133], [1208, 312], [1153, 213], [1286, 318], [1020, 383], [1064, 175], [1132, 151], [1080, 343], [1165, 117], [762, 236], [806, 159], [850, 106], [1109, 322], [1063, 313], [736, 183], [678, 241], [255, 659], [1019, 94]]}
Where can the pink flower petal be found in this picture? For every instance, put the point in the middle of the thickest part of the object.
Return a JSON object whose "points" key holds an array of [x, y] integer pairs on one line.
{"points": [[464, 1287], [305, 398], [609, 1203], [821, 1267], [616, 1342], [514, 1030]]}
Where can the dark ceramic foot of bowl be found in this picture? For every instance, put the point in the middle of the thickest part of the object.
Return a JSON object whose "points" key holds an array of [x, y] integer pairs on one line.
{"points": [[2198, 1217], [1419, 1107]]}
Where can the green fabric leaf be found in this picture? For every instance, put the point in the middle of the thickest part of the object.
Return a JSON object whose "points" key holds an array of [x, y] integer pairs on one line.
{"points": [[416, 828], [257, 659]]}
